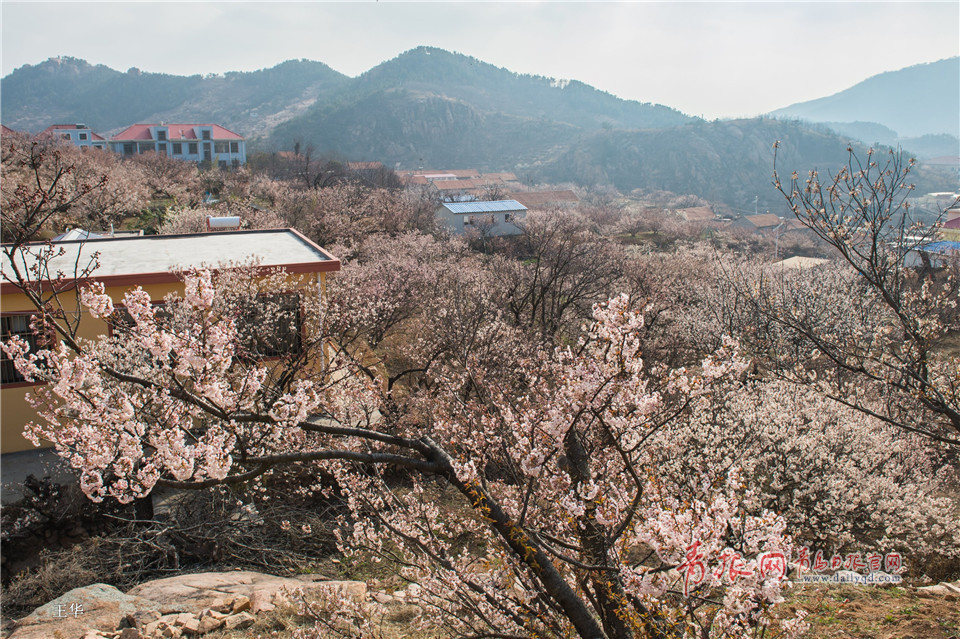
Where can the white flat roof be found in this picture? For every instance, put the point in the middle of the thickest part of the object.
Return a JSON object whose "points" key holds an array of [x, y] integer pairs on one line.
{"points": [[798, 262], [159, 255]]}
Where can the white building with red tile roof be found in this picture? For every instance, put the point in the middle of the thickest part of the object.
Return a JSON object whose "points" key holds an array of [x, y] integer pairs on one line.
{"points": [[193, 142], [77, 134]]}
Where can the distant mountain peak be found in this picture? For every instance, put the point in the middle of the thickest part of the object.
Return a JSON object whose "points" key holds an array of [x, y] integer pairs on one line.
{"points": [[917, 100]]}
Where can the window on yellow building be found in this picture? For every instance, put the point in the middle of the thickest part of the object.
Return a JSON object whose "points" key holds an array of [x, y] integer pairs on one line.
{"points": [[10, 326], [273, 326]]}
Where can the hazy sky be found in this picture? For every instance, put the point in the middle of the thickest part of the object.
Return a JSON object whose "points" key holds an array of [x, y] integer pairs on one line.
{"points": [[714, 59]]}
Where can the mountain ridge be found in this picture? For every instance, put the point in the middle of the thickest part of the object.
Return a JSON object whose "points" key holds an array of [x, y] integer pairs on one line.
{"points": [[430, 107], [69, 89], [922, 99]]}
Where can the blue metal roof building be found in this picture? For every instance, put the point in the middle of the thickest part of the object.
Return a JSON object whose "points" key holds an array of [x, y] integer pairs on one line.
{"points": [[489, 218], [498, 206], [943, 247]]}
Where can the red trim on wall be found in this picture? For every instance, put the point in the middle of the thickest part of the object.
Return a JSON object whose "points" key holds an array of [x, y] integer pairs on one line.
{"points": [[22, 384]]}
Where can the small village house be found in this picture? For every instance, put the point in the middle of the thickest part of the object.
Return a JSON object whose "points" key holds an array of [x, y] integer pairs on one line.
{"points": [[149, 262], [76, 134], [544, 199], [764, 223], [210, 143], [488, 218], [950, 231], [697, 214]]}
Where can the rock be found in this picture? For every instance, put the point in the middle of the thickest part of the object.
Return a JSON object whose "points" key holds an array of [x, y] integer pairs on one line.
{"points": [[239, 621], [197, 592], [222, 605], [97, 607], [240, 604], [175, 606], [192, 627], [209, 624], [183, 619], [141, 618], [261, 601], [941, 589], [170, 619], [381, 597]]}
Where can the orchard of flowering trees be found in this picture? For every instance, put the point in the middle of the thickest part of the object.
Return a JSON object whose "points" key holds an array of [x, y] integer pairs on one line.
{"points": [[557, 437]]}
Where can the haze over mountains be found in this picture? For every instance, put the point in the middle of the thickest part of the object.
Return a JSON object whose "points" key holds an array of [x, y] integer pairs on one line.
{"points": [[918, 106], [429, 107]]}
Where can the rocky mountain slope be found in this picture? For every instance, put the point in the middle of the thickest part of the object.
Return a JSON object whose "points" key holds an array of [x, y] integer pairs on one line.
{"points": [[429, 107]]}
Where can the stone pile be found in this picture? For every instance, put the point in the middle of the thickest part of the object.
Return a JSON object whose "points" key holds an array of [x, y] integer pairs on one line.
{"points": [[173, 608], [949, 591]]}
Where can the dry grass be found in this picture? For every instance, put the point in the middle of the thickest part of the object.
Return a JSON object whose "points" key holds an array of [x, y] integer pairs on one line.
{"points": [[282, 623], [867, 612], [846, 611]]}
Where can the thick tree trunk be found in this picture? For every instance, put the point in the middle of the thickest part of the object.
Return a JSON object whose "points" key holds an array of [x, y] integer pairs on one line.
{"points": [[609, 594], [525, 549]]}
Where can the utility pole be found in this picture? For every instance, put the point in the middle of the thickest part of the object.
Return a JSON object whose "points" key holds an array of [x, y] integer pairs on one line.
{"points": [[776, 243]]}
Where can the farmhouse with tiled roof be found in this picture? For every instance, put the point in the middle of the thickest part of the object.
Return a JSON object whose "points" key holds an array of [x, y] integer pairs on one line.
{"points": [[77, 134], [193, 142]]}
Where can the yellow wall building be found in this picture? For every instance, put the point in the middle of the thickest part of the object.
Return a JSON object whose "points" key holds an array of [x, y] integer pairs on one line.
{"points": [[951, 227], [149, 262]]}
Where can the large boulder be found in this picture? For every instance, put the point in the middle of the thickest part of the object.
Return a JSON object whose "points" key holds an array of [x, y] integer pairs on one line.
{"points": [[201, 591], [72, 615], [944, 589], [184, 605]]}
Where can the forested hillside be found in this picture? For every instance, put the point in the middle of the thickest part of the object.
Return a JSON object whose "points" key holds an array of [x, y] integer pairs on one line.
{"points": [[63, 90], [430, 107]]}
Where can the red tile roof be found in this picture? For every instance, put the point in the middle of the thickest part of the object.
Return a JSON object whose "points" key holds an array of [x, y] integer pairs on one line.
{"points": [[70, 127], [696, 213], [457, 185], [463, 173], [175, 132], [763, 220], [364, 166], [505, 177], [533, 199], [952, 224]]}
